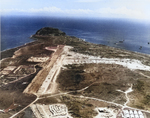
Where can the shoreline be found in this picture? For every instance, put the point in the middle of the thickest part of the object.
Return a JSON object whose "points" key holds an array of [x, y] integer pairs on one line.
{"points": [[9, 52], [18, 46], [80, 39], [36, 40]]}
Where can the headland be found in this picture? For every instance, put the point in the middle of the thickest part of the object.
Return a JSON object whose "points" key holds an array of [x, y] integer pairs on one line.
{"points": [[63, 76]]}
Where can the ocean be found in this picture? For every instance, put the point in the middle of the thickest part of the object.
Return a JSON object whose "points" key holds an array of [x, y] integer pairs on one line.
{"points": [[119, 33]]}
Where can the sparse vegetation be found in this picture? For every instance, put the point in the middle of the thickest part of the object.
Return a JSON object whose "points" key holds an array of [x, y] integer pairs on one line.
{"points": [[47, 100], [146, 100], [141, 94], [106, 92], [14, 96], [102, 80], [140, 86], [79, 108]]}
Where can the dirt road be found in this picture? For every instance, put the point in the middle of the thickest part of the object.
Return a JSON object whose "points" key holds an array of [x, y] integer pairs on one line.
{"points": [[45, 80], [43, 76]]}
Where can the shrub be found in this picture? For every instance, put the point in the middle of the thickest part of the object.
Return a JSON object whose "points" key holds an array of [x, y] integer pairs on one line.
{"points": [[140, 85]]}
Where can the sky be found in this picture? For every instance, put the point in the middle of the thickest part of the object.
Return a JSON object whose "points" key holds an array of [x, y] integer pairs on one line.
{"points": [[129, 9]]}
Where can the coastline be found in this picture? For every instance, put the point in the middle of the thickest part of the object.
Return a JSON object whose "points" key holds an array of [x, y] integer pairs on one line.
{"points": [[9, 52], [36, 41], [89, 33]]}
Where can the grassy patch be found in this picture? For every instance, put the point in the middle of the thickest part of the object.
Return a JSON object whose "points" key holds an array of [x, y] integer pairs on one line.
{"points": [[79, 108], [140, 96], [47, 100], [8, 97], [75, 77], [140, 86], [106, 92], [103, 80], [146, 100]]}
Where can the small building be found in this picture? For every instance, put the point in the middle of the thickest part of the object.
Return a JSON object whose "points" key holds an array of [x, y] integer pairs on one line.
{"points": [[132, 114], [135, 112], [136, 116], [126, 113], [140, 113], [141, 116]]}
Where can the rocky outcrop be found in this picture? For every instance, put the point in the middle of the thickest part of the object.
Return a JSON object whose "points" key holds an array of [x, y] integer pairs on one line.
{"points": [[48, 31]]}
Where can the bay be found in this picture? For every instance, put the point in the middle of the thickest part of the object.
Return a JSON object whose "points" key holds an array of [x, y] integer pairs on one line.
{"points": [[119, 33]]}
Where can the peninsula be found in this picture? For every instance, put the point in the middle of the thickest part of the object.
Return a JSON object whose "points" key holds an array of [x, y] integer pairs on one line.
{"points": [[64, 76]]}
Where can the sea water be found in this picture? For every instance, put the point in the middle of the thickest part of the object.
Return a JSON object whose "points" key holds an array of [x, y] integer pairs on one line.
{"points": [[119, 33]]}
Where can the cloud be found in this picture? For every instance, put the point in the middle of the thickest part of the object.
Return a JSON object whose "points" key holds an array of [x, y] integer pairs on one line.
{"points": [[11, 10], [88, 0], [50, 10], [46, 9], [78, 11], [58, 10], [121, 12]]}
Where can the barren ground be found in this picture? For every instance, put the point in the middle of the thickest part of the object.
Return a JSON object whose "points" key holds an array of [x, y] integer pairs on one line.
{"points": [[82, 77]]}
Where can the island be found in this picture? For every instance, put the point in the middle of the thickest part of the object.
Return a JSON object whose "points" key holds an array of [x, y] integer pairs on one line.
{"points": [[58, 75]]}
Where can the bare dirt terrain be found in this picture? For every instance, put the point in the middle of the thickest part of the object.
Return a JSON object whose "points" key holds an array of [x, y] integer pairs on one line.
{"points": [[63, 76], [36, 84]]}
